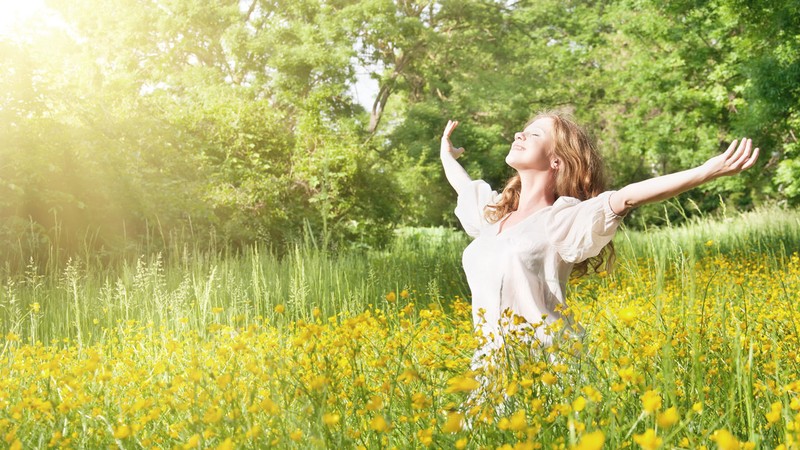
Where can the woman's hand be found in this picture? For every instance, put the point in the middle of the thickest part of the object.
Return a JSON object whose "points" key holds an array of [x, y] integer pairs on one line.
{"points": [[455, 174], [734, 160], [447, 147]]}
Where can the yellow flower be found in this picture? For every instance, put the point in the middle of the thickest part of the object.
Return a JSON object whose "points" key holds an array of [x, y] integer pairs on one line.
{"points": [[579, 404], [512, 389], [253, 432], [213, 415], [404, 294], [725, 440], [519, 421], [318, 382], [330, 419], [453, 423], [775, 413], [626, 374], [122, 432], [668, 418], [628, 315], [216, 310], [192, 442], [591, 441], [296, 435], [391, 297], [35, 307], [280, 309], [379, 424], [548, 378], [651, 401], [375, 403], [227, 444], [461, 384], [648, 440], [425, 436], [461, 443]]}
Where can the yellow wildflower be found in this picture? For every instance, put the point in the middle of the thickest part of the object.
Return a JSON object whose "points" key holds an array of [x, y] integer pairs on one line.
{"points": [[330, 419], [193, 442], [628, 315], [453, 423], [775, 413], [668, 418], [227, 444], [579, 404], [591, 441], [648, 440], [425, 436], [518, 421], [651, 401], [122, 432], [379, 424], [725, 440], [375, 403], [461, 384]]}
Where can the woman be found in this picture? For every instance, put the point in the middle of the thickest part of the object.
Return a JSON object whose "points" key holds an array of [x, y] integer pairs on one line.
{"points": [[554, 216]]}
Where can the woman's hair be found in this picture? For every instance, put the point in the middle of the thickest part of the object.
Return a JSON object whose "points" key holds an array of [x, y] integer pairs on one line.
{"points": [[581, 175]]}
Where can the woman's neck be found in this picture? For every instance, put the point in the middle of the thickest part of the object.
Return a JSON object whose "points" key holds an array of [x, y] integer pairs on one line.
{"points": [[536, 191]]}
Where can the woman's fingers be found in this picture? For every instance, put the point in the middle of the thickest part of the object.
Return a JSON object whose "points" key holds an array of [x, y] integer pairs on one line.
{"points": [[451, 125], [730, 150], [744, 148], [752, 160]]}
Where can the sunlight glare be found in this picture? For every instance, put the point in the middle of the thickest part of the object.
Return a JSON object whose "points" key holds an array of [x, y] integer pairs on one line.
{"points": [[16, 17]]}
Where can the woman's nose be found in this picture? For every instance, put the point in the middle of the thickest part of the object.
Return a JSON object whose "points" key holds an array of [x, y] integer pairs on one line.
{"points": [[518, 136]]}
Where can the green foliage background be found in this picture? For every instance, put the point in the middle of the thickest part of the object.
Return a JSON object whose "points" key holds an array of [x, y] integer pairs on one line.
{"points": [[233, 121]]}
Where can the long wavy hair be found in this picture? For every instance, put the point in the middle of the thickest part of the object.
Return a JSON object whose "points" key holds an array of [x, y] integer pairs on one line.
{"points": [[581, 174]]}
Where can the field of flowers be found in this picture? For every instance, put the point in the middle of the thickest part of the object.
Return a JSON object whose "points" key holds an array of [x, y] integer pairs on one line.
{"points": [[692, 342]]}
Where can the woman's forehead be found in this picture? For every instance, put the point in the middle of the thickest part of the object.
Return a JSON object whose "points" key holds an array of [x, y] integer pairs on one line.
{"points": [[543, 123]]}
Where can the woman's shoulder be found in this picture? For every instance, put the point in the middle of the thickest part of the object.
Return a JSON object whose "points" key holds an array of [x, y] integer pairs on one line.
{"points": [[567, 200]]}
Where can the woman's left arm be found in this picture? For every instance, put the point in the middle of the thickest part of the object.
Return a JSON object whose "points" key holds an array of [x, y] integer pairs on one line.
{"points": [[733, 161]]}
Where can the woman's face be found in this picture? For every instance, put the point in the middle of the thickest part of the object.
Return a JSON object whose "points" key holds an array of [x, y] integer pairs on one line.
{"points": [[532, 147]]}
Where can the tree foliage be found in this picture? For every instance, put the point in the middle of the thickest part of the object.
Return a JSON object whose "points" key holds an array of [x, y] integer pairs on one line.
{"points": [[235, 118]]}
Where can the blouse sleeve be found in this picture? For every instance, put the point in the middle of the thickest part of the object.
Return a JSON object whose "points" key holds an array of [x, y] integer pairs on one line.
{"points": [[469, 207], [580, 229]]}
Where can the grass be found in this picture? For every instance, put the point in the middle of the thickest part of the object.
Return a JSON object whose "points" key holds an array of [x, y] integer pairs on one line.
{"points": [[691, 342]]}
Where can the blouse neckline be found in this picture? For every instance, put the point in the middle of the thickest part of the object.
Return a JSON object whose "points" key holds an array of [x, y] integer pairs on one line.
{"points": [[502, 230]]}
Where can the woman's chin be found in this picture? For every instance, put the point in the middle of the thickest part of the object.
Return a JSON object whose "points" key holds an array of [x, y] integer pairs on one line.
{"points": [[511, 161]]}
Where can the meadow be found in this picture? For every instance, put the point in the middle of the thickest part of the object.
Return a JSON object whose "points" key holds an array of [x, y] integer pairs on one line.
{"points": [[692, 342]]}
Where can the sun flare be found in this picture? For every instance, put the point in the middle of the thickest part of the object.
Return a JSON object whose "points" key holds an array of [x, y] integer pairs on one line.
{"points": [[17, 17]]}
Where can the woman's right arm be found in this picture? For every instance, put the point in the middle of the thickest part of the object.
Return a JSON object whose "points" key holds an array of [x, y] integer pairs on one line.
{"points": [[456, 175]]}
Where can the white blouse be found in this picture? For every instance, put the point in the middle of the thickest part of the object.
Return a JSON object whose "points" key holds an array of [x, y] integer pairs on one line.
{"points": [[525, 268]]}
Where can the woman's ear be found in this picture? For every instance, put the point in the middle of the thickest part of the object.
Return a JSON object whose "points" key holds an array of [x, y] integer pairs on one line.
{"points": [[554, 163]]}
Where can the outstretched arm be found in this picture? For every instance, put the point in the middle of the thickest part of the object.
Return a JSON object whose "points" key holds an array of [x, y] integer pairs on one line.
{"points": [[455, 174], [733, 161]]}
